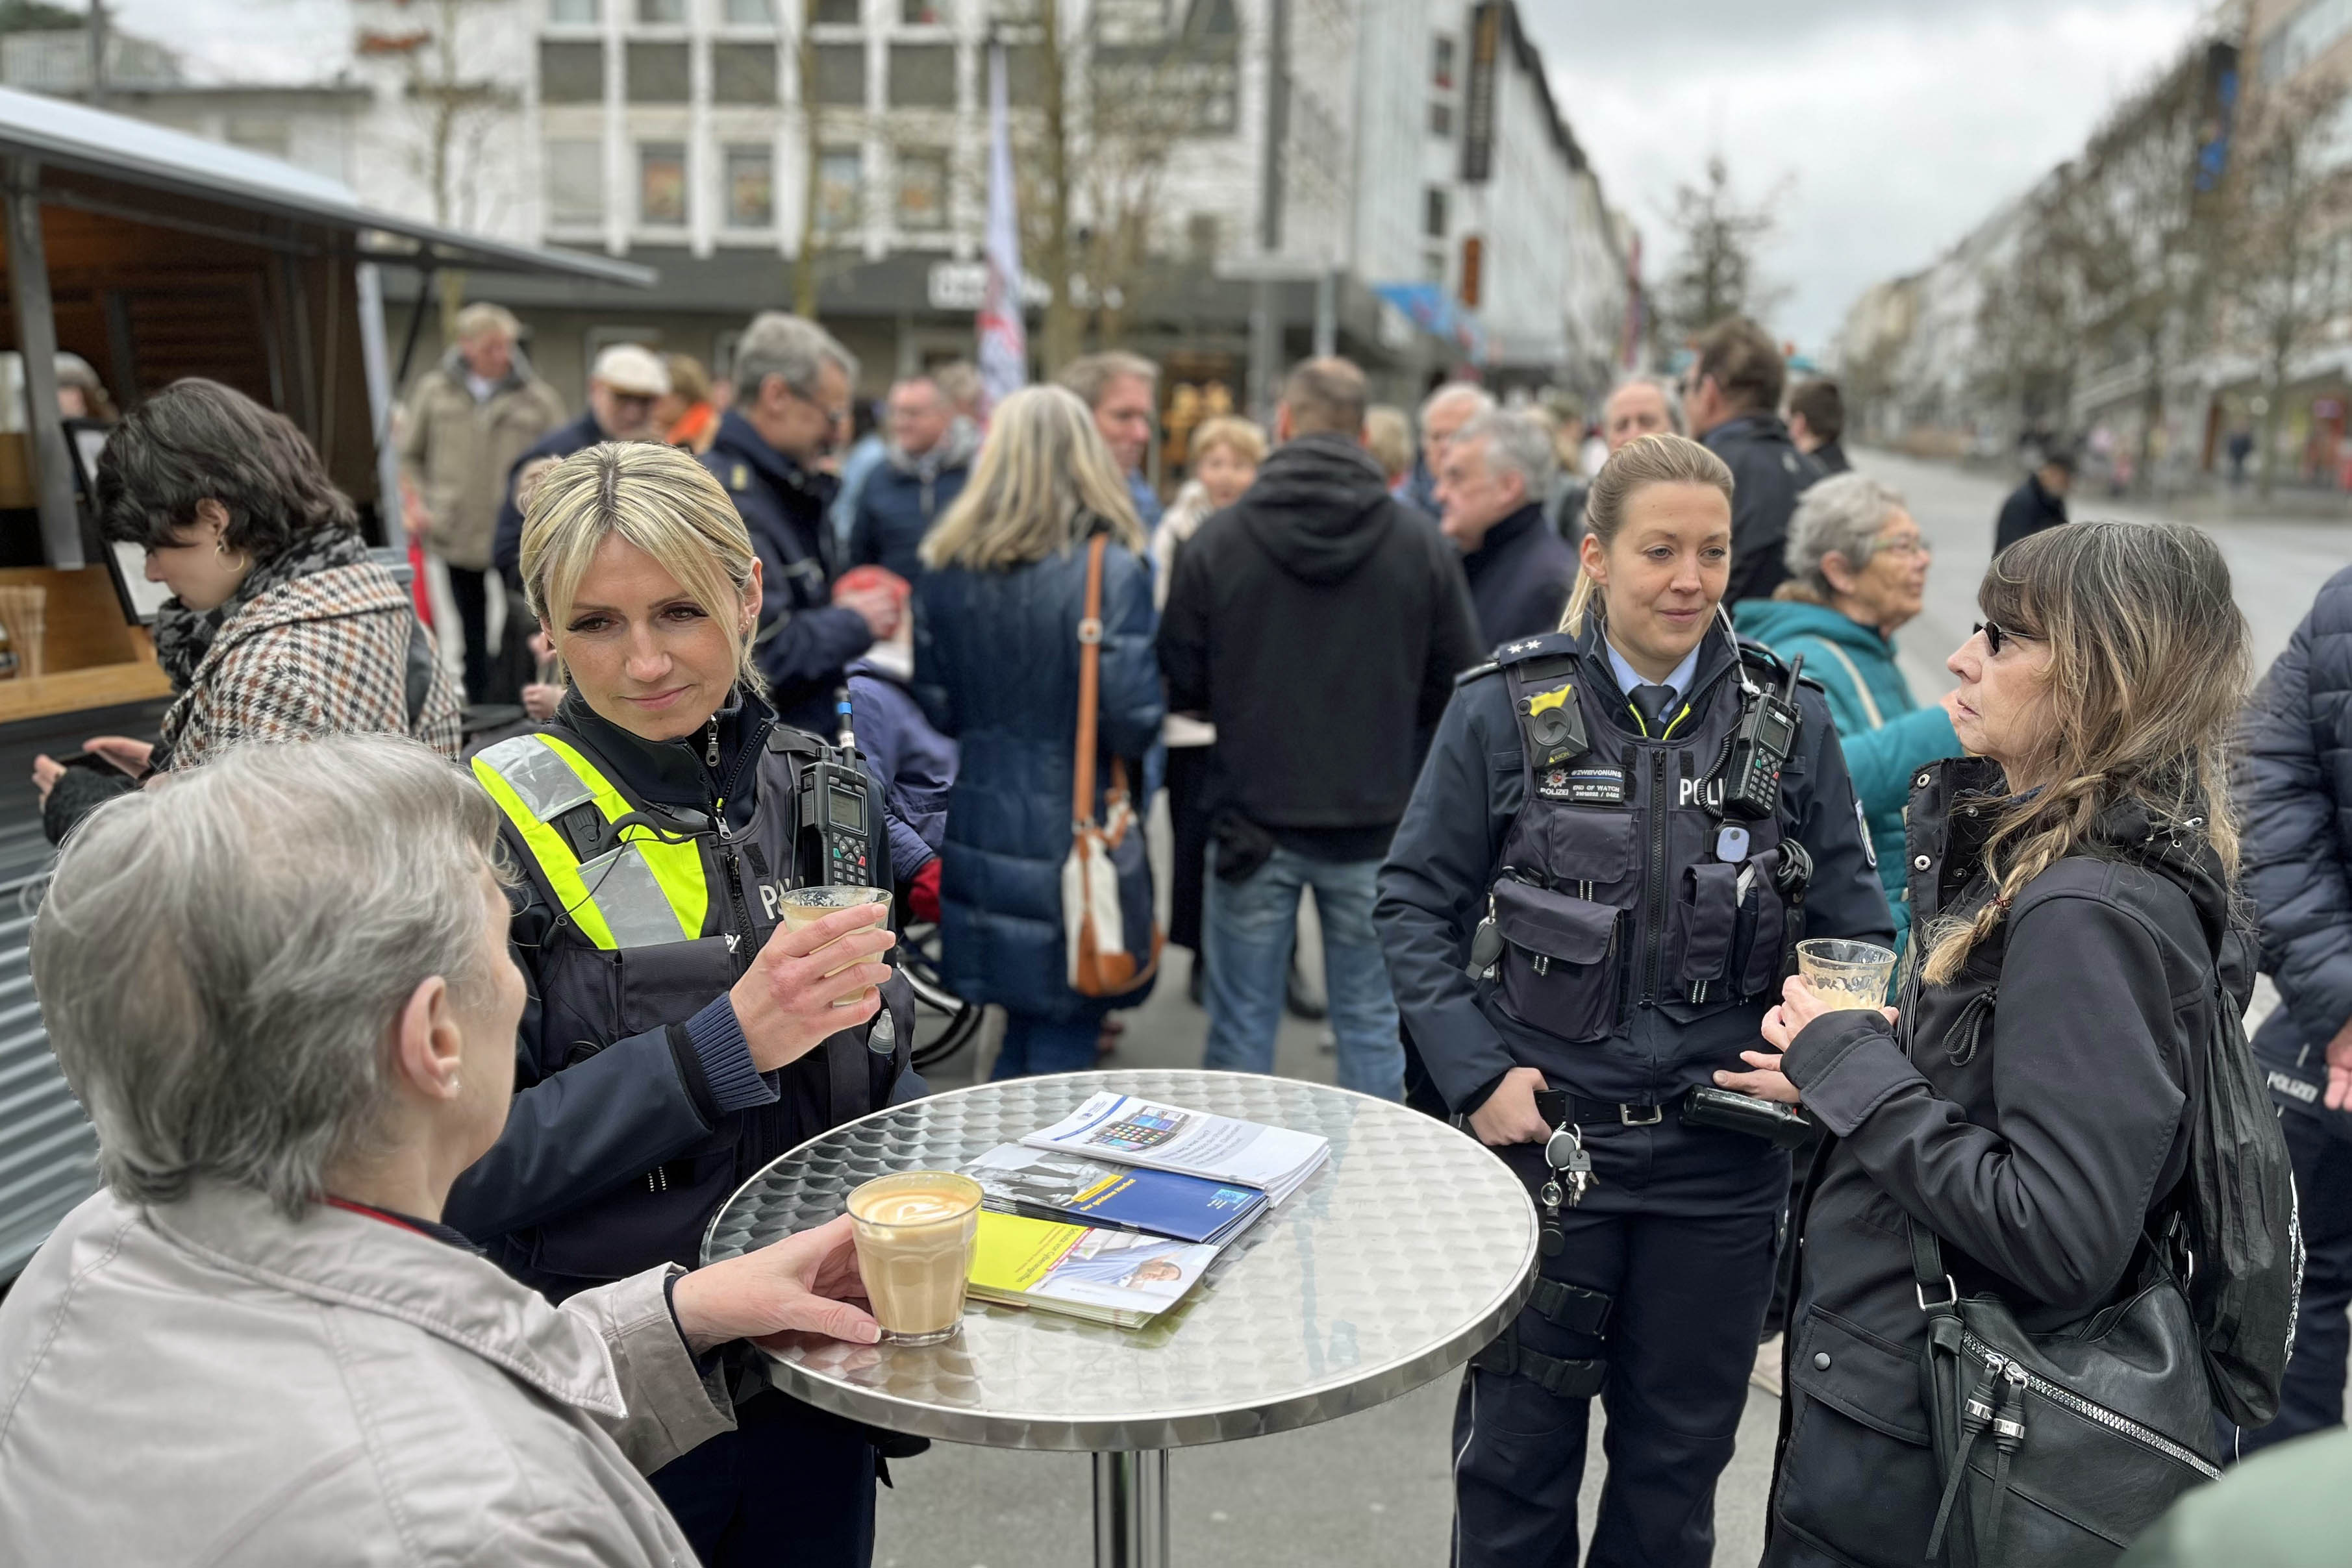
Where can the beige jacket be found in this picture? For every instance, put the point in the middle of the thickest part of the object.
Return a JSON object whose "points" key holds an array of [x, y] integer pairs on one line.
{"points": [[208, 1383], [457, 453]]}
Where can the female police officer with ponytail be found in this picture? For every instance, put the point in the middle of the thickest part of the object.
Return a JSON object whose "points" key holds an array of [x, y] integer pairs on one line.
{"points": [[1623, 829], [677, 1036]]}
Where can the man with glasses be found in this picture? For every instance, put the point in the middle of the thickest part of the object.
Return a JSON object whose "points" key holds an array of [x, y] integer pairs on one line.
{"points": [[792, 385], [623, 387]]}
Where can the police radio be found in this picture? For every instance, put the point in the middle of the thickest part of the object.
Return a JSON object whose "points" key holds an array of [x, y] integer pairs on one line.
{"points": [[1749, 785], [836, 811]]}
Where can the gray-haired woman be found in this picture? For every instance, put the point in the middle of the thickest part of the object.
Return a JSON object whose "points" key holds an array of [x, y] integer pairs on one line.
{"points": [[280, 985], [1860, 571]]}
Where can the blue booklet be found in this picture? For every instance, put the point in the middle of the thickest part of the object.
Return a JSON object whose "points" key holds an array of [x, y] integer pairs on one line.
{"points": [[1051, 1184]]}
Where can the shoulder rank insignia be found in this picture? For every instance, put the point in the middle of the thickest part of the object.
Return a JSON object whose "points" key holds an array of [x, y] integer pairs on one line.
{"points": [[740, 478]]}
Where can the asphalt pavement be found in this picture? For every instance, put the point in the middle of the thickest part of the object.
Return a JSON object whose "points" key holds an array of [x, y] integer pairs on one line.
{"points": [[1373, 1491]]}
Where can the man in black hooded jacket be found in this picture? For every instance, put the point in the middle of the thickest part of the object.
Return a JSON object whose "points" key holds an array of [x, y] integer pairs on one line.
{"points": [[1318, 623]]}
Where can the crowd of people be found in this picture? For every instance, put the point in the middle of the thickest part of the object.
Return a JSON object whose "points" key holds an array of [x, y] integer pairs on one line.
{"points": [[416, 1084]]}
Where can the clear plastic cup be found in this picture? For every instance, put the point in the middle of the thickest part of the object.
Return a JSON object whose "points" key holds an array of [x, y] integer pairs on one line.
{"points": [[915, 1233], [807, 906], [1845, 974]]}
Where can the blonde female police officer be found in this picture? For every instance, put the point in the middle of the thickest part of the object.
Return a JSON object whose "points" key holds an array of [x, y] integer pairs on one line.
{"points": [[1586, 909], [675, 1038]]}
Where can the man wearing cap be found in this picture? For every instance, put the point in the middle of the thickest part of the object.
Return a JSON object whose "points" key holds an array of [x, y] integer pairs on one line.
{"points": [[623, 387], [793, 382], [2040, 502]]}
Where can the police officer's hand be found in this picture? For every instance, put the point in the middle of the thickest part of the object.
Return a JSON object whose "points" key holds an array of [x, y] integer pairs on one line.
{"points": [[1767, 1083], [784, 1002], [1509, 1114], [2339, 1070]]}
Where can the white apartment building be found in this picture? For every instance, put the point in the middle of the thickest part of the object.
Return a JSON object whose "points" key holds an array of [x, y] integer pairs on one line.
{"points": [[1391, 178]]}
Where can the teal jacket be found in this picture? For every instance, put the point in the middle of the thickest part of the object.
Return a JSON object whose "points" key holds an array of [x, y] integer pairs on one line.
{"points": [[1887, 736], [2284, 1507]]}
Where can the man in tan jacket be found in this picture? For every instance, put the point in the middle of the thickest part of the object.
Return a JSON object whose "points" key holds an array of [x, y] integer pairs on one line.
{"points": [[466, 422]]}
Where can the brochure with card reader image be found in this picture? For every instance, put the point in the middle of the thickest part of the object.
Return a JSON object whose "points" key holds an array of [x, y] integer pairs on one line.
{"points": [[1050, 1184], [1114, 1277], [1129, 1131]]}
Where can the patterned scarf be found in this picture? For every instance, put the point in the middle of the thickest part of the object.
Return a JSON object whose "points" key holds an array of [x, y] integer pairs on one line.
{"points": [[183, 636]]}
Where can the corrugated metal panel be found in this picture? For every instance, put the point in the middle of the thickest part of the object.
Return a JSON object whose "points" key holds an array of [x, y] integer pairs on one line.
{"points": [[48, 1154]]}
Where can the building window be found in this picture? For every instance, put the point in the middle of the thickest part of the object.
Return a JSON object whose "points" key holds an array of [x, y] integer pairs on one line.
{"points": [[840, 179], [568, 13], [661, 185], [255, 134], [750, 188], [1432, 212], [1203, 236], [1433, 265], [750, 13], [1441, 118], [841, 75], [743, 73], [571, 73], [923, 190], [575, 182], [922, 76], [923, 12], [1441, 63], [661, 13], [660, 73], [840, 11]]}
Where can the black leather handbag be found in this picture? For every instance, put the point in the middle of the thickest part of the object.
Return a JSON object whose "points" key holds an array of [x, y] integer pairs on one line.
{"points": [[2057, 1450]]}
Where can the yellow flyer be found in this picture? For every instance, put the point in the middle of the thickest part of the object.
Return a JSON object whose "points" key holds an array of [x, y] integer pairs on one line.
{"points": [[1014, 1253]]}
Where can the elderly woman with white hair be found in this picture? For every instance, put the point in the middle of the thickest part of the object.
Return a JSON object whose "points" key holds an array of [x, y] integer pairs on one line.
{"points": [[1860, 571], [280, 985]]}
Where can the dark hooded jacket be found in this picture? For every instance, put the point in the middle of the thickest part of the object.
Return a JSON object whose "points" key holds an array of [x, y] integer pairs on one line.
{"points": [[1318, 623], [2033, 1114]]}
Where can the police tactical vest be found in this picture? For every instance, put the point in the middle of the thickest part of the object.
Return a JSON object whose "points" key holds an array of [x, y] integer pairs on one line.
{"points": [[653, 924], [1617, 886]]}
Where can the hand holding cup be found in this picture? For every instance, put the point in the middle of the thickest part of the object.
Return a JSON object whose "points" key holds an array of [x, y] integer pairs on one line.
{"points": [[813, 981]]}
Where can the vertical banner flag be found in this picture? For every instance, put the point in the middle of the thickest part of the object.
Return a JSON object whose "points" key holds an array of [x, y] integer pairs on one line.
{"points": [[1004, 341]]}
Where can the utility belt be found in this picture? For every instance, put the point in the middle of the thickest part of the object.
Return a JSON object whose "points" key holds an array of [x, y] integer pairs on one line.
{"points": [[1781, 1125]]}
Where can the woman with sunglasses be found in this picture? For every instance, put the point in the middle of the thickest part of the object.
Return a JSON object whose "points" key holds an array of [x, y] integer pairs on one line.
{"points": [[2025, 1111]]}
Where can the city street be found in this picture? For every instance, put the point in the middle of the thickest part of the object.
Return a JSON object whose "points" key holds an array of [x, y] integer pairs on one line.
{"points": [[1373, 1489]]}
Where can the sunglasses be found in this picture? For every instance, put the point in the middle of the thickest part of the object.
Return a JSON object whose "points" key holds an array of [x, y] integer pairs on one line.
{"points": [[1995, 634]]}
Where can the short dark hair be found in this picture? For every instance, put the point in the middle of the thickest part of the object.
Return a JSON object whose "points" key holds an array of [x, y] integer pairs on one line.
{"points": [[1823, 407], [1745, 363], [1326, 396], [199, 441]]}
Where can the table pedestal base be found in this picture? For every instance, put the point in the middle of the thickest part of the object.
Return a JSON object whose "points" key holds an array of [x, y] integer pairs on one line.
{"points": [[1131, 1509]]}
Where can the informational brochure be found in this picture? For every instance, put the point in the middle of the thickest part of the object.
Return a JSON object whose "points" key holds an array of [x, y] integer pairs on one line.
{"points": [[1051, 1184], [1116, 1277], [1129, 1131]]}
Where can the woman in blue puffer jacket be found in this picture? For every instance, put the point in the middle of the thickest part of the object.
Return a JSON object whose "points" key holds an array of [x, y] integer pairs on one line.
{"points": [[996, 669], [1859, 569]]}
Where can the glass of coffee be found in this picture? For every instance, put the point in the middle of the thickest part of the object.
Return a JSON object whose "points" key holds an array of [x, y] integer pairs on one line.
{"points": [[807, 906], [915, 1232], [1845, 974]]}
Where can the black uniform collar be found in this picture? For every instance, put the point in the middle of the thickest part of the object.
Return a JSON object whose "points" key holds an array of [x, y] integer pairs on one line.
{"points": [[675, 772], [738, 439]]}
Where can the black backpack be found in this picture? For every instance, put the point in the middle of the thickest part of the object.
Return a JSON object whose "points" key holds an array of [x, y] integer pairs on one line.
{"points": [[2235, 1221]]}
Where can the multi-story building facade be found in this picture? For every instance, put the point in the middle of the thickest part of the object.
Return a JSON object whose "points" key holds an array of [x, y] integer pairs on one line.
{"points": [[1250, 179]]}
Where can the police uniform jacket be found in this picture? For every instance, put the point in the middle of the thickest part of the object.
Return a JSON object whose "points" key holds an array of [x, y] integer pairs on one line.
{"points": [[2033, 1114], [805, 640], [637, 1108], [2294, 788], [1637, 962]]}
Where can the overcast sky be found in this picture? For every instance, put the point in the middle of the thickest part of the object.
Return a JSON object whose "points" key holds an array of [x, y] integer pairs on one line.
{"points": [[1898, 124]]}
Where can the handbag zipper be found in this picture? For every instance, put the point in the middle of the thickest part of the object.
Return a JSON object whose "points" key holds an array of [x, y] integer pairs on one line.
{"points": [[2113, 1421]]}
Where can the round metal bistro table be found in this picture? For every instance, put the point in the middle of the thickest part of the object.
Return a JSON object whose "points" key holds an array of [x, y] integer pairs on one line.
{"points": [[1410, 1250]]}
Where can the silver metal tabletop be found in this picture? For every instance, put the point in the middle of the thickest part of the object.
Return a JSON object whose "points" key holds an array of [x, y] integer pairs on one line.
{"points": [[1392, 1265]]}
